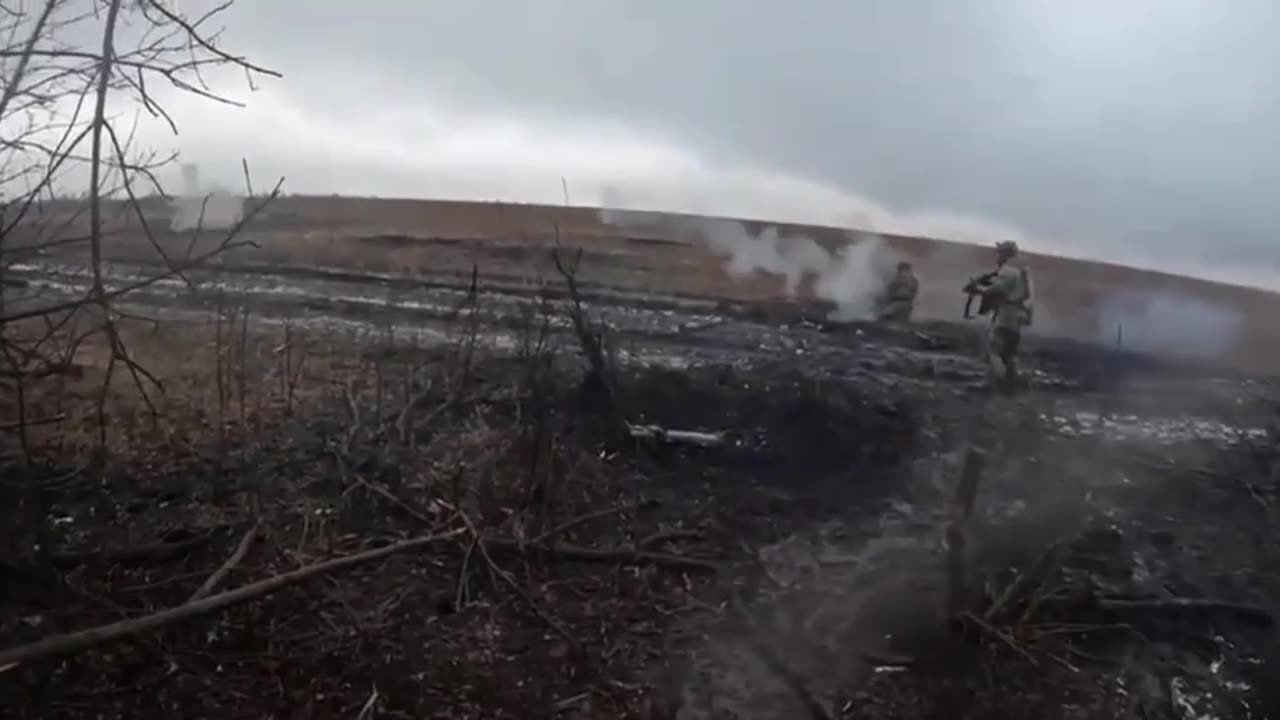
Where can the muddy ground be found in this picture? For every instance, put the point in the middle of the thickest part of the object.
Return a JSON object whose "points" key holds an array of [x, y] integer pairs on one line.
{"points": [[1119, 560]]}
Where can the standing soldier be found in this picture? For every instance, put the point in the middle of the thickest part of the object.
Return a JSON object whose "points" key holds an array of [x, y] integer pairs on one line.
{"points": [[1008, 292], [899, 299]]}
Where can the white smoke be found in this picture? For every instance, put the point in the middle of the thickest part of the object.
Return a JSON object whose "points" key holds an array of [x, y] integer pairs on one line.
{"points": [[195, 208], [851, 277], [1157, 322], [860, 273], [215, 211]]}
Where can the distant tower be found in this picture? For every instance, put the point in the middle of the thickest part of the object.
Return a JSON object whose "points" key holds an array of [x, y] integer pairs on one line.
{"points": [[190, 180]]}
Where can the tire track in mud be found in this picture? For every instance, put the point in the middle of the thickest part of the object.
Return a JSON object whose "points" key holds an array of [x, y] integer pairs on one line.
{"points": [[674, 330]]}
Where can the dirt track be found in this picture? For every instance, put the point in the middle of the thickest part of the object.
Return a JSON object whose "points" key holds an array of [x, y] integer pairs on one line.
{"points": [[825, 510]]}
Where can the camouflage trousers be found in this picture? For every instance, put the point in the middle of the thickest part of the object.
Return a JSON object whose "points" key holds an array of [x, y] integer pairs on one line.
{"points": [[1002, 358], [895, 311]]}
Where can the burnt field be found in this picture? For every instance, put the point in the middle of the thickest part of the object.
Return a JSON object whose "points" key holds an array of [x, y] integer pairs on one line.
{"points": [[341, 496]]}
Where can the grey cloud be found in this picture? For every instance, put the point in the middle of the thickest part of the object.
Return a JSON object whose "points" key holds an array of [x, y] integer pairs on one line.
{"points": [[1089, 121]]}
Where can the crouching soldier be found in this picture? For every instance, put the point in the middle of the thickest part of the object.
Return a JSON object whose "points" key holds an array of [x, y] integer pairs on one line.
{"points": [[1008, 292], [899, 298]]}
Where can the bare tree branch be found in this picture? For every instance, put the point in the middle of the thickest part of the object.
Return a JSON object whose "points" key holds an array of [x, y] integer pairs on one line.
{"points": [[46, 121]]}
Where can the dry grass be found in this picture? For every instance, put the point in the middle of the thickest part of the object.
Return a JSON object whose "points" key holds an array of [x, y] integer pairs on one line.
{"points": [[187, 361], [332, 468]]}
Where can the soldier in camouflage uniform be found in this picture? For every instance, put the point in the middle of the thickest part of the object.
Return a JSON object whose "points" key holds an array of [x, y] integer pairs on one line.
{"points": [[899, 299], [1009, 291]]}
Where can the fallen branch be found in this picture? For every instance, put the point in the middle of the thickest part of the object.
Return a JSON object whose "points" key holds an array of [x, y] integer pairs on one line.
{"points": [[383, 492], [236, 557], [1255, 613], [70, 643], [999, 635], [1025, 581], [367, 710], [571, 702], [16, 426], [683, 437], [343, 461], [607, 555], [666, 536], [625, 555], [694, 327]]}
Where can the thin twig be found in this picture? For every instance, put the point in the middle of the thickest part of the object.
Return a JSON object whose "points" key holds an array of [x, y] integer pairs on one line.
{"points": [[366, 711], [510, 580], [11, 427], [1025, 580], [343, 465], [460, 595], [236, 557], [580, 520], [1001, 636]]}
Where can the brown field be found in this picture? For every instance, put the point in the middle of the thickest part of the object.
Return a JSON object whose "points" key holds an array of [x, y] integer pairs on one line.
{"points": [[510, 241]]}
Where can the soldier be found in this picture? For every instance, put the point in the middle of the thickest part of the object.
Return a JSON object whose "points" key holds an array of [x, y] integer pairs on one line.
{"points": [[1008, 291], [899, 299]]}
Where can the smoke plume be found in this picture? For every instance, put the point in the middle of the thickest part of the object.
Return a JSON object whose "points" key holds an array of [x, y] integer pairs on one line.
{"points": [[211, 212], [195, 208], [850, 277], [1166, 323]]}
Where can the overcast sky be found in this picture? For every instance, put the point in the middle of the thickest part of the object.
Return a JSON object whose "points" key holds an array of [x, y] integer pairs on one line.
{"points": [[1140, 131]]}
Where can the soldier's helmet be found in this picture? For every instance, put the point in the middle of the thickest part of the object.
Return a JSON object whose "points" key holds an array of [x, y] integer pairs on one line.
{"points": [[1006, 248], [903, 266]]}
